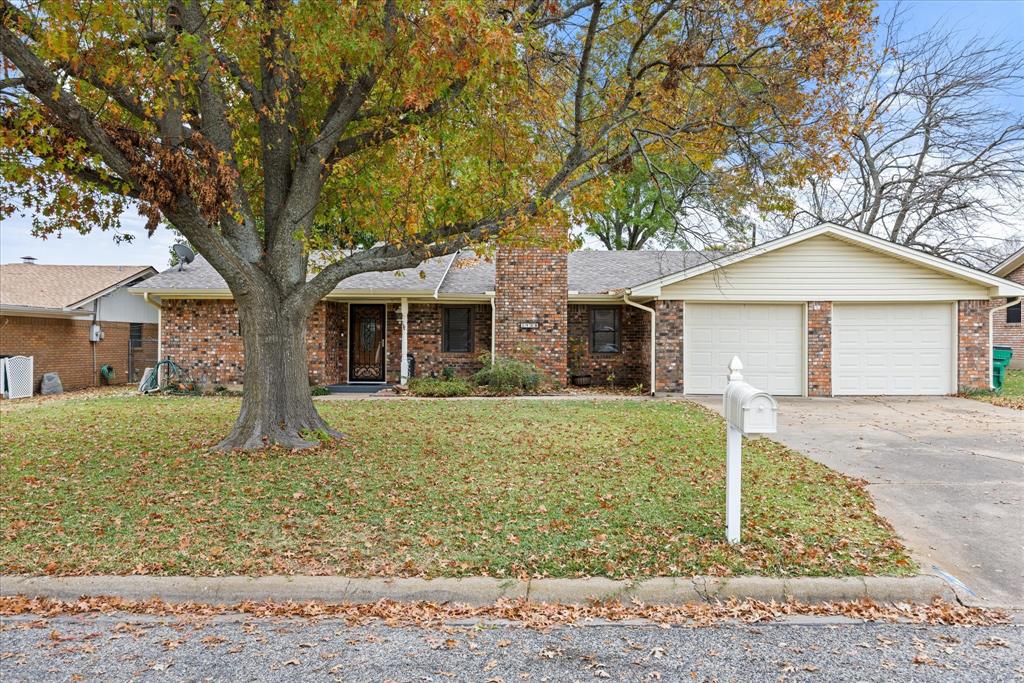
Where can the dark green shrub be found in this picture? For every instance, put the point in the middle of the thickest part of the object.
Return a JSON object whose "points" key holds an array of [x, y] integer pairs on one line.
{"points": [[507, 376], [439, 388], [319, 391], [448, 372]]}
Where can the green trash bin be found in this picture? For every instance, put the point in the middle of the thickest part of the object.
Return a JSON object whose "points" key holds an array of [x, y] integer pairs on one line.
{"points": [[1001, 357]]}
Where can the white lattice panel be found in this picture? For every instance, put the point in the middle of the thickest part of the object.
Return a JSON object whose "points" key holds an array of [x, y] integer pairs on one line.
{"points": [[17, 371]]}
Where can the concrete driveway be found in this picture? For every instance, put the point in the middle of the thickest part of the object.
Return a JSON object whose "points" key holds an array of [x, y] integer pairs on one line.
{"points": [[947, 472]]}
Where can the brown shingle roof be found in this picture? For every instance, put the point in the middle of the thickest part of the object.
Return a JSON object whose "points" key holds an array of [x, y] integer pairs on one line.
{"points": [[53, 286]]}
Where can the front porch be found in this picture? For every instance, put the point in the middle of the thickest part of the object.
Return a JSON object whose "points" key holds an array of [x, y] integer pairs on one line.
{"points": [[386, 342]]}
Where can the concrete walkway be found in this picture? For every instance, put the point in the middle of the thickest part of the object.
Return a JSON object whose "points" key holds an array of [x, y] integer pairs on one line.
{"points": [[947, 472]]}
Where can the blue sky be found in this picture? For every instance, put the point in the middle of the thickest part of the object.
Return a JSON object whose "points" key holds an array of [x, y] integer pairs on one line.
{"points": [[995, 19]]}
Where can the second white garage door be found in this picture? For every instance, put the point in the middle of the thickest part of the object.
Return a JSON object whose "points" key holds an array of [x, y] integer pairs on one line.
{"points": [[880, 349], [768, 338]]}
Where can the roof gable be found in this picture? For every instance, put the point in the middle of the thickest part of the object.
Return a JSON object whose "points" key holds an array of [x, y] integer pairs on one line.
{"points": [[1013, 263], [858, 245]]}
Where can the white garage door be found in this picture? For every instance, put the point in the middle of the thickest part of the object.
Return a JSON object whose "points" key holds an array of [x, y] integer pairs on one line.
{"points": [[768, 338], [892, 349]]}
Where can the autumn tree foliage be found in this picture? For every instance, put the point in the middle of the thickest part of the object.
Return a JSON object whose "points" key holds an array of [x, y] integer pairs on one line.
{"points": [[269, 131]]}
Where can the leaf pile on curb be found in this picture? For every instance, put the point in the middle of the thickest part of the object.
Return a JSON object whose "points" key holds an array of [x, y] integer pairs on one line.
{"points": [[535, 615]]}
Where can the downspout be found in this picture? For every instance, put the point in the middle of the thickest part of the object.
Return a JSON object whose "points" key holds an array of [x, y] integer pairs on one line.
{"points": [[159, 332], [445, 273], [403, 375], [95, 322], [654, 376], [991, 337], [494, 325]]}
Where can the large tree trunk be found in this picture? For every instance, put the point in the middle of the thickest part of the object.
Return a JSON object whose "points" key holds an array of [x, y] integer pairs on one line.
{"points": [[277, 408]]}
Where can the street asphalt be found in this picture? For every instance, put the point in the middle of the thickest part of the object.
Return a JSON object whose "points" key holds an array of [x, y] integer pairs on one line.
{"points": [[123, 647]]}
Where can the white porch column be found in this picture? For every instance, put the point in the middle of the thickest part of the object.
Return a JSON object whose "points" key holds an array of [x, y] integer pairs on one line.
{"points": [[405, 342]]}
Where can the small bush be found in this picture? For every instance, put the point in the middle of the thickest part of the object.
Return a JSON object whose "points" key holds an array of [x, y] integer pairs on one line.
{"points": [[319, 391], [439, 388], [507, 376]]}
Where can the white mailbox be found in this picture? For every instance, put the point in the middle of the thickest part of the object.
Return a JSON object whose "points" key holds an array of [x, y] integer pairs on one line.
{"points": [[749, 409]]}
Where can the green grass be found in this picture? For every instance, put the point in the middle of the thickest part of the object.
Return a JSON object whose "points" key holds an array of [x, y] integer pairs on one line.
{"points": [[1012, 395], [1014, 384], [501, 488]]}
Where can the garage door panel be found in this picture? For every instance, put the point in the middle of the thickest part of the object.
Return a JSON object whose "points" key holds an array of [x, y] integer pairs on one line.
{"points": [[892, 349], [767, 337]]}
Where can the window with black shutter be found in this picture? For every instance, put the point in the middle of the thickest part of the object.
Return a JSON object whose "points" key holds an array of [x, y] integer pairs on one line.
{"points": [[458, 329], [1013, 313], [604, 330]]}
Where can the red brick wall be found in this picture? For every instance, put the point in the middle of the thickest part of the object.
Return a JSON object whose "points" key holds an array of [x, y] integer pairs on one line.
{"points": [[202, 336], [819, 348], [670, 345], [1009, 334], [532, 286], [973, 359], [425, 341], [61, 345], [630, 365]]}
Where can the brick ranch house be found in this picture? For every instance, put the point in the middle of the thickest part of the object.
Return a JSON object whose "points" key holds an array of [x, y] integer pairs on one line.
{"points": [[1007, 329], [823, 312], [48, 312]]}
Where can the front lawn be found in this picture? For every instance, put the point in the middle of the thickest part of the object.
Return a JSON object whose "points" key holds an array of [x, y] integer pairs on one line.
{"points": [[1012, 395], [502, 488]]}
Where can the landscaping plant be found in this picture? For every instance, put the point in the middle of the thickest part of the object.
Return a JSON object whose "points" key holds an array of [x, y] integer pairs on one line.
{"points": [[439, 388], [508, 376]]}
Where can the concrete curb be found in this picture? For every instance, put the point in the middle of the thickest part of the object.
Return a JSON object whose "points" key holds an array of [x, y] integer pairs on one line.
{"points": [[479, 590]]}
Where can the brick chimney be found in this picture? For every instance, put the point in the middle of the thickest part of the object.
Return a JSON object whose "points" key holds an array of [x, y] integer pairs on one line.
{"points": [[531, 307]]}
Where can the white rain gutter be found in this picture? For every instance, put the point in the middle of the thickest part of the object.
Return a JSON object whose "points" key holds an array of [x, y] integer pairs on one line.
{"points": [[494, 324], [654, 365], [146, 296], [403, 373], [437, 289], [991, 337]]}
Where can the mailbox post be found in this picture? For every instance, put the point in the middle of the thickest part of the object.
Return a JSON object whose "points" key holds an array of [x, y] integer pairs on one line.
{"points": [[747, 411]]}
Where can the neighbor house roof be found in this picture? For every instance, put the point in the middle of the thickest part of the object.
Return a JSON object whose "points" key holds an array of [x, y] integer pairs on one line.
{"points": [[61, 288], [465, 274], [1015, 261]]}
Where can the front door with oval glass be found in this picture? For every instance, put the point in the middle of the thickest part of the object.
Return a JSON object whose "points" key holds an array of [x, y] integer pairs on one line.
{"points": [[366, 343]]}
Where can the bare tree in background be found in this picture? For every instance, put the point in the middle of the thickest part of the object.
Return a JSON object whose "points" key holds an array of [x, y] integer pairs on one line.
{"points": [[935, 160]]}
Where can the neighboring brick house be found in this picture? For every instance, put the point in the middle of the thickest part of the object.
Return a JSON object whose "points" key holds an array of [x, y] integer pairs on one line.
{"points": [[827, 311], [49, 312], [1007, 329]]}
